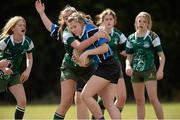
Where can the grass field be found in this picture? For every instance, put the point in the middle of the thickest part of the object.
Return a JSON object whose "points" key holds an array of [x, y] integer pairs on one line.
{"points": [[171, 111]]}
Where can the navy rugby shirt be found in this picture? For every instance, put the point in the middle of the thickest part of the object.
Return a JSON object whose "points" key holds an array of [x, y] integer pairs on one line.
{"points": [[90, 30]]}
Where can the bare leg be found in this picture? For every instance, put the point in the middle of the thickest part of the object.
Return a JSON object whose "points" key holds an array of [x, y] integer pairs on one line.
{"points": [[121, 94], [108, 99], [138, 89], [67, 96], [20, 96], [82, 110], [151, 87], [92, 87]]}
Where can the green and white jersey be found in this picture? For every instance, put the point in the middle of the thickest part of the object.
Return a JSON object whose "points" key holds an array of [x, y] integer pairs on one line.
{"points": [[143, 49], [117, 42], [15, 51], [68, 38]]}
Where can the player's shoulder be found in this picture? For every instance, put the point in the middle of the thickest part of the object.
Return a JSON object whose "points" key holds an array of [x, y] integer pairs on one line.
{"points": [[90, 27], [153, 35], [28, 38], [131, 36], [117, 30], [5, 39]]}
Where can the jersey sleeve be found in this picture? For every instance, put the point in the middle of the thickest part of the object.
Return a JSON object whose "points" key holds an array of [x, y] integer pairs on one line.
{"points": [[102, 41], [55, 31], [122, 39], [129, 47], [157, 44], [68, 37], [31, 47], [2, 44], [122, 42]]}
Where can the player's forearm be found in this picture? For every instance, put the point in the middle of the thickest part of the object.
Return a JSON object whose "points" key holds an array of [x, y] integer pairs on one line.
{"points": [[86, 43], [161, 61], [29, 62], [128, 60], [46, 21]]}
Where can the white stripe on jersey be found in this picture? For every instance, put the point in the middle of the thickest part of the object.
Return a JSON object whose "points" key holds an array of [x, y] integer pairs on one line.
{"points": [[128, 44], [31, 46], [66, 35], [3, 44], [121, 37], [156, 42]]}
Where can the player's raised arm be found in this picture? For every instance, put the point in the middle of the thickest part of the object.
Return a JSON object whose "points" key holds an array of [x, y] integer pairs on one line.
{"points": [[40, 7]]}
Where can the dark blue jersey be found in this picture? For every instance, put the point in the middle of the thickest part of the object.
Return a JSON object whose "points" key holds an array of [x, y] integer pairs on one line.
{"points": [[88, 31], [55, 31]]}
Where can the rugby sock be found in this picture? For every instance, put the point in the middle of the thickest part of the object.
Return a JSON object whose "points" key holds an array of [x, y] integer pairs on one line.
{"points": [[19, 113], [58, 116]]}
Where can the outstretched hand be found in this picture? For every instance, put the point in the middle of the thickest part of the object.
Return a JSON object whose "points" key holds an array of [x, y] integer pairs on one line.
{"points": [[40, 7]]}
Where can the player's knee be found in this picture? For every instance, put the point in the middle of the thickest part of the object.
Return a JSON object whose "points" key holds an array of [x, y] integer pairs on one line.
{"points": [[140, 101], [21, 102], [85, 97], [121, 100], [153, 100], [67, 100], [78, 99]]}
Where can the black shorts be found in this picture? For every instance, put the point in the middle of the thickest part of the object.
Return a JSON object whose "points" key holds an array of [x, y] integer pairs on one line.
{"points": [[109, 69], [80, 85]]}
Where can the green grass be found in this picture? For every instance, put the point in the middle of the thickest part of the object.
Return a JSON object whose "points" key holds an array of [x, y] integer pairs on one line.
{"points": [[171, 111]]}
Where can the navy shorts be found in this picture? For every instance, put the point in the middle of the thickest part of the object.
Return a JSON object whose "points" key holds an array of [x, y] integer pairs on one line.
{"points": [[109, 69]]}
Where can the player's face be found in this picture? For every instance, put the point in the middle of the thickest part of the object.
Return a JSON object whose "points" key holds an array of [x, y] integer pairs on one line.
{"points": [[19, 28], [75, 27], [66, 15], [108, 21], [142, 23]]}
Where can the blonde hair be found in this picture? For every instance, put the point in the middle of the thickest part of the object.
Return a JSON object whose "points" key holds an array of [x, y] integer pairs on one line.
{"points": [[6, 31], [147, 16], [101, 16], [67, 8], [77, 17]]}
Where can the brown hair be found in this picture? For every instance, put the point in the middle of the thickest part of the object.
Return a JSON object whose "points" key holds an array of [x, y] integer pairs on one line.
{"points": [[61, 21], [101, 16]]}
